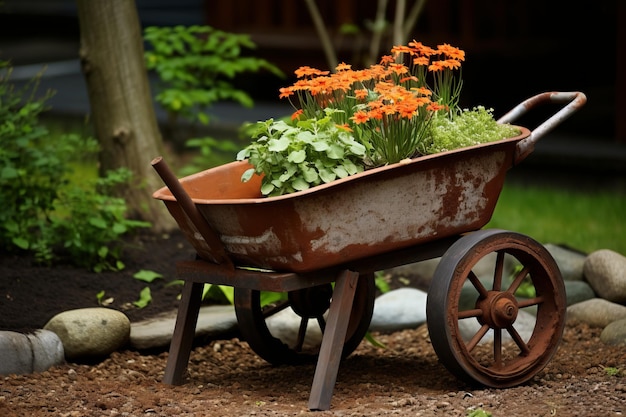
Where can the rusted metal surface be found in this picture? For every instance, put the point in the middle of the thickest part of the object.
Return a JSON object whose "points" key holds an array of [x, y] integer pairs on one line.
{"points": [[496, 308], [373, 212]]}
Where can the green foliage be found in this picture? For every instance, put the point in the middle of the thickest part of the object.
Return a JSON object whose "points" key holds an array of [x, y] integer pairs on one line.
{"points": [[612, 371], [382, 281], [96, 220], [210, 152], [478, 412], [470, 127], [196, 66], [145, 298], [42, 211], [294, 157], [147, 276]]}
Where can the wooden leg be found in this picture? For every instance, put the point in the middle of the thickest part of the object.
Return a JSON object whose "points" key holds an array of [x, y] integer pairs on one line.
{"points": [[184, 332], [333, 340]]}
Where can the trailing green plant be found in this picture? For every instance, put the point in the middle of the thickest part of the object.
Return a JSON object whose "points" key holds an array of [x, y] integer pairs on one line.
{"points": [[296, 156], [43, 212]]}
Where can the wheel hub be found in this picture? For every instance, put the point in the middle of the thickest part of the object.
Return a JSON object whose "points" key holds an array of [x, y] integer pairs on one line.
{"points": [[311, 302], [499, 309]]}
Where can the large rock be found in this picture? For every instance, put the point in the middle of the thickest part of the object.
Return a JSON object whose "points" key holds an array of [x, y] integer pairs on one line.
{"points": [[28, 353], [89, 333], [157, 332], [615, 333], [404, 308], [596, 312], [605, 270], [570, 262], [578, 291]]}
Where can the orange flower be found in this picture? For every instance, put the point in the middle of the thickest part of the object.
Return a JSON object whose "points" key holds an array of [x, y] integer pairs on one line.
{"points": [[308, 71], [421, 60], [421, 49], [436, 66], [399, 68], [386, 59], [345, 127], [451, 52], [343, 67], [407, 79], [285, 92], [296, 114], [401, 49], [361, 94], [360, 117]]}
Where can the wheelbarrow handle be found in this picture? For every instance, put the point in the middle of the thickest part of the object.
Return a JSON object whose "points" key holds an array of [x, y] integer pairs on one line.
{"points": [[189, 208], [574, 99]]}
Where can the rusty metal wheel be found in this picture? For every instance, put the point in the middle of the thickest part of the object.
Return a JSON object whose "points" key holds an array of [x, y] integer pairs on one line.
{"points": [[310, 305], [495, 352]]}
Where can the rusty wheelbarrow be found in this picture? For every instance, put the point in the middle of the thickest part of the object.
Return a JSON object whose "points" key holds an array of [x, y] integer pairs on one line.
{"points": [[342, 232]]}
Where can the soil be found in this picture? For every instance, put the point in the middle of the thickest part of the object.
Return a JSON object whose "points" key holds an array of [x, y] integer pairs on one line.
{"points": [[225, 378]]}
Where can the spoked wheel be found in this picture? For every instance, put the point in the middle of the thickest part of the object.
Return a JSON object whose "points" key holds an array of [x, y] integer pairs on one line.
{"points": [[310, 304], [493, 352]]}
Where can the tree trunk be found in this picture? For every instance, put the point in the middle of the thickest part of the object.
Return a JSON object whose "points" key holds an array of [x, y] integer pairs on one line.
{"points": [[112, 58]]}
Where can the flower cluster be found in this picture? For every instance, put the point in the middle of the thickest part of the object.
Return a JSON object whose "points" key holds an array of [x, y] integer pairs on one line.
{"points": [[387, 106]]}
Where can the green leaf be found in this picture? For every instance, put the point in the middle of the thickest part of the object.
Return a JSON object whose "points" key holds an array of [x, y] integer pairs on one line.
{"points": [[335, 151], [98, 222], [8, 173], [297, 156], [266, 189], [245, 177], [278, 145], [300, 184], [20, 242], [145, 297], [147, 276]]}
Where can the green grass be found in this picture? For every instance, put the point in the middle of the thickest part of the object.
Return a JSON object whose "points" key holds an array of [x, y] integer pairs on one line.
{"points": [[583, 220]]}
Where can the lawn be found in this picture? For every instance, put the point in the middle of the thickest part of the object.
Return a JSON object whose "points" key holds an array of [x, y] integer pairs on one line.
{"points": [[584, 220]]}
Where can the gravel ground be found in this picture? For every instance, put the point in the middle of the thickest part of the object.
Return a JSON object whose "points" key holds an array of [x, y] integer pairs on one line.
{"points": [[227, 379], [405, 378]]}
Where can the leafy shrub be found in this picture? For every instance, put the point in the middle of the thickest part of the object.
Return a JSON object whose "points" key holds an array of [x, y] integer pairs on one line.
{"points": [[42, 211], [295, 157], [196, 66]]}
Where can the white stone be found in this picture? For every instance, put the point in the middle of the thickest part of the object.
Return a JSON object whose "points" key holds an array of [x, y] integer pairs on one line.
{"points": [[90, 332], [596, 312], [614, 333], [157, 332], [404, 308], [605, 270], [28, 353], [570, 262]]}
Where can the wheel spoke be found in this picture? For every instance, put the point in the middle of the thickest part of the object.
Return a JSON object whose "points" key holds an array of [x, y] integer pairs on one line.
{"points": [[482, 291], [497, 347], [530, 302], [477, 337], [301, 334], [275, 308], [518, 280], [466, 314], [497, 276], [518, 340], [322, 323]]}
